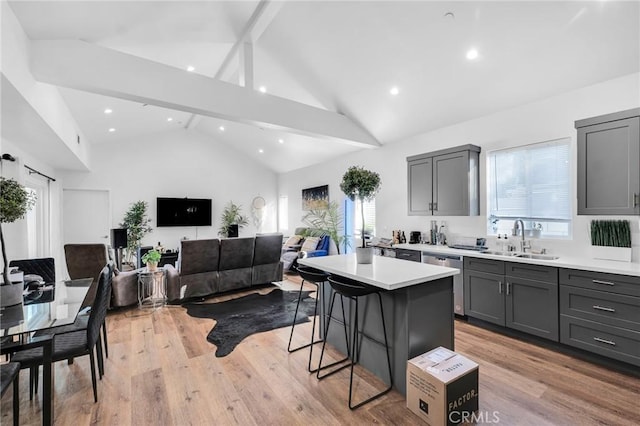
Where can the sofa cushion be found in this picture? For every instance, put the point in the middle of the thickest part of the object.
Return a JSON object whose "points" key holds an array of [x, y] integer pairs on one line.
{"points": [[198, 256], [293, 240], [267, 249], [236, 253], [310, 243]]}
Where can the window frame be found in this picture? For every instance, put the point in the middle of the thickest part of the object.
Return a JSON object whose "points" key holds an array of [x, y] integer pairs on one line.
{"points": [[493, 227]]}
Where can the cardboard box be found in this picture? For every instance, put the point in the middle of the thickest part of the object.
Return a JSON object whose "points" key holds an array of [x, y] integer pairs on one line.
{"points": [[442, 387]]}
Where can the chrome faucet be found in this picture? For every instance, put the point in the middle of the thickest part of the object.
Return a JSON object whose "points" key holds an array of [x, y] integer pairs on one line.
{"points": [[524, 244]]}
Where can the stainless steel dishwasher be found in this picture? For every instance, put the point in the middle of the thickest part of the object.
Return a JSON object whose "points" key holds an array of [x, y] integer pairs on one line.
{"points": [[451, 261]]}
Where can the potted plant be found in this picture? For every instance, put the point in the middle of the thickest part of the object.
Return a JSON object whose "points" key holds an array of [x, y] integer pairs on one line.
{"points": [[151, 258], [15, 202], [327, 221], [362, 184], [231, 215], [136, 222]]}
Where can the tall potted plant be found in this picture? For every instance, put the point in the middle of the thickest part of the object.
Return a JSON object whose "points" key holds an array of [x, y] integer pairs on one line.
{"points": [[136, 221], [15, 202], [231, 215], [361, 184], [328, 221]]}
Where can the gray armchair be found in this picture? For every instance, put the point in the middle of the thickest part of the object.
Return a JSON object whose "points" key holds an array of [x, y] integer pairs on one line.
{"points": [[236, 260]]}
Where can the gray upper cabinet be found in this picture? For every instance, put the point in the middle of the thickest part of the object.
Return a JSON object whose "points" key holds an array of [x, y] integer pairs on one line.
{"points": [[444, 183], [609, 164], [420, 186]]}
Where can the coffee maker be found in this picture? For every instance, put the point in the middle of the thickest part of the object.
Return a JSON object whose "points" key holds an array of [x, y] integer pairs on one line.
{"points": [[414, 237]]}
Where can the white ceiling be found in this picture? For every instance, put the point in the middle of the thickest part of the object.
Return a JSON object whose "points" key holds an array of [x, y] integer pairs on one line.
{"points": [[345, 56]]}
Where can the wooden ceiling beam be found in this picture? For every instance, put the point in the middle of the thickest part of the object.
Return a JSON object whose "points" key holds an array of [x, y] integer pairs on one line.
{"points": [[91, 68]]}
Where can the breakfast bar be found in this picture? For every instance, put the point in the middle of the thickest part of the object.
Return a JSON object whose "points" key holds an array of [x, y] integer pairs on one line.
{"points": [[418, 305]]}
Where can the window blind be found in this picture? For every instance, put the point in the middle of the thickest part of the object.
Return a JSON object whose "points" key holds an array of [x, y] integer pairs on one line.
{"points": [[531, 182]]}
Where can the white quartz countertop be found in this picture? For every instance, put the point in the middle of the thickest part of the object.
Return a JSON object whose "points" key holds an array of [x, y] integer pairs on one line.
{"points": [[385, 272], [582, 263]]}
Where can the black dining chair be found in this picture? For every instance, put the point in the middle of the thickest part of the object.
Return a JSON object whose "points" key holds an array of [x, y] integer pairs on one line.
{"points": [[73, 344], [8, 375]]}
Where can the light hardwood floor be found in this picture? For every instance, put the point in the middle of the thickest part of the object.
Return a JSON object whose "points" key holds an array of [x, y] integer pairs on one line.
{"points": [[162, 371]]}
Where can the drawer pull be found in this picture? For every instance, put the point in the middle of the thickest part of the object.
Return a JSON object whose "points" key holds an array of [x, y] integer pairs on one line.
{"points": [[602, 282], [603, 308], [608, 342]]}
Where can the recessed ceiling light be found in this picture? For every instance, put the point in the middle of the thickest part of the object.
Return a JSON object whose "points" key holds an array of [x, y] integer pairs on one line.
{"points": [[108, 111], [191, 68], [449, 15], [111, 130], [394, 90], [221, 128], [261, 150], [170, 119], [472, 54], [280, 140], [262, 89]]}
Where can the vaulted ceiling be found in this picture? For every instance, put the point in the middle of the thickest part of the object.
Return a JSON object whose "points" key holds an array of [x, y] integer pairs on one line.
{"points": [[343, 57]]}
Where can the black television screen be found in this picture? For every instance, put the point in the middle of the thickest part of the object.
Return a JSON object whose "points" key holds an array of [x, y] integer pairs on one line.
{"points": [[183, 212]]}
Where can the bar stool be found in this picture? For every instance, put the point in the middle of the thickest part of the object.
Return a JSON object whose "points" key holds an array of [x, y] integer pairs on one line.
{"points": [[316, 277], [353, 290]]}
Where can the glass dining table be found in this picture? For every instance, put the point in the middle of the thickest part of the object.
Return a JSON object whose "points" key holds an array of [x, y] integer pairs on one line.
{"points": [[33, 323]]}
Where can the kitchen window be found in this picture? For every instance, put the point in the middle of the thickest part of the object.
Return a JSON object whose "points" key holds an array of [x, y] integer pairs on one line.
{"points": [[531, 183]]}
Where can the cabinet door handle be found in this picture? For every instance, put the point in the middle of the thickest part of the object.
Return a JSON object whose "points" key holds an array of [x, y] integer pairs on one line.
{"points": [[435, 206], [608, 342], [499, 287], [430, 206], [603, 308], [508, 288], [603, 282], [635, 200]]}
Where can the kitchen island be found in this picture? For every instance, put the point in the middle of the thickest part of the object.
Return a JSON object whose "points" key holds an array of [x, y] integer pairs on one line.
{"points": [[418, 305]]}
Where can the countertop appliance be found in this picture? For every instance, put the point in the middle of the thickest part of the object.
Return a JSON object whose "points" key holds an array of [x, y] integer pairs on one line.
{"points": [[450, 261], [415, 237]]}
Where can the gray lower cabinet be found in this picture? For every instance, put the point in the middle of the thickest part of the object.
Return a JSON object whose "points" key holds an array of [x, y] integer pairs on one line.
{"points": [[516, 295], [609, 164], [444, 183], [600, 313]]}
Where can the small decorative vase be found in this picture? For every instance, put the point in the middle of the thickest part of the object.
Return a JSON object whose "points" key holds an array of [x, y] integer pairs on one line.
{"points": [[152, 266], [364, 255]]}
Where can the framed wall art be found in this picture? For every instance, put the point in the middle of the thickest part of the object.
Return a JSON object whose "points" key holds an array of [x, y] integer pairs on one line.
{"points": [[315, 198]]}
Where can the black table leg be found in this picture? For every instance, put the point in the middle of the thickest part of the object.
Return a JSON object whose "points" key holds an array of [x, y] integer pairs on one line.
{"points": [[47, 384]]}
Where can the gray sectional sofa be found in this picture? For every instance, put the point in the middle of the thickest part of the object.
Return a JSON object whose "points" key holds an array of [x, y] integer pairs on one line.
{"points": [[207, 267]]}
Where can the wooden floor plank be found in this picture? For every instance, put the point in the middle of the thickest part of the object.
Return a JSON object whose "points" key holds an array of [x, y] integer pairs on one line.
{"points": [[162, 370]]}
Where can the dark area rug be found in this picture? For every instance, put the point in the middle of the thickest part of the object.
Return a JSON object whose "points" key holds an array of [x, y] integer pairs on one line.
{"points": [[255, 313]]}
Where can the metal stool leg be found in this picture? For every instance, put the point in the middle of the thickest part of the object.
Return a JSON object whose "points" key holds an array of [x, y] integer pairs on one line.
{"points": [[355, 354], [326, 332], [293, 325]]}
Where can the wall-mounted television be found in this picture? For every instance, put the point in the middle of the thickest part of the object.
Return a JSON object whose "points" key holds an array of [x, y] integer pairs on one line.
{"points": [[183, 212]]}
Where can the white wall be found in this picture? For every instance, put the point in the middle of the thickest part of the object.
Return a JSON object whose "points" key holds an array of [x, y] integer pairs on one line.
{"points": [[43, 98], [177, 164], [552, 118]]}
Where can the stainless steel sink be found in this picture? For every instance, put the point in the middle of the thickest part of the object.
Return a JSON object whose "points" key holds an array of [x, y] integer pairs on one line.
{"points": [[536, 256], [500, 253]]}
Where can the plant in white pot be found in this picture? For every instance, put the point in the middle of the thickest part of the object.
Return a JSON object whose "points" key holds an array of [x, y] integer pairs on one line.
{"points": [[361, 184], [151, 258], [15, 202]]}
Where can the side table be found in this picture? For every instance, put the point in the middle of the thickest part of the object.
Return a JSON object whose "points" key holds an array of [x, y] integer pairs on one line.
{"points": [[152, 288]]}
